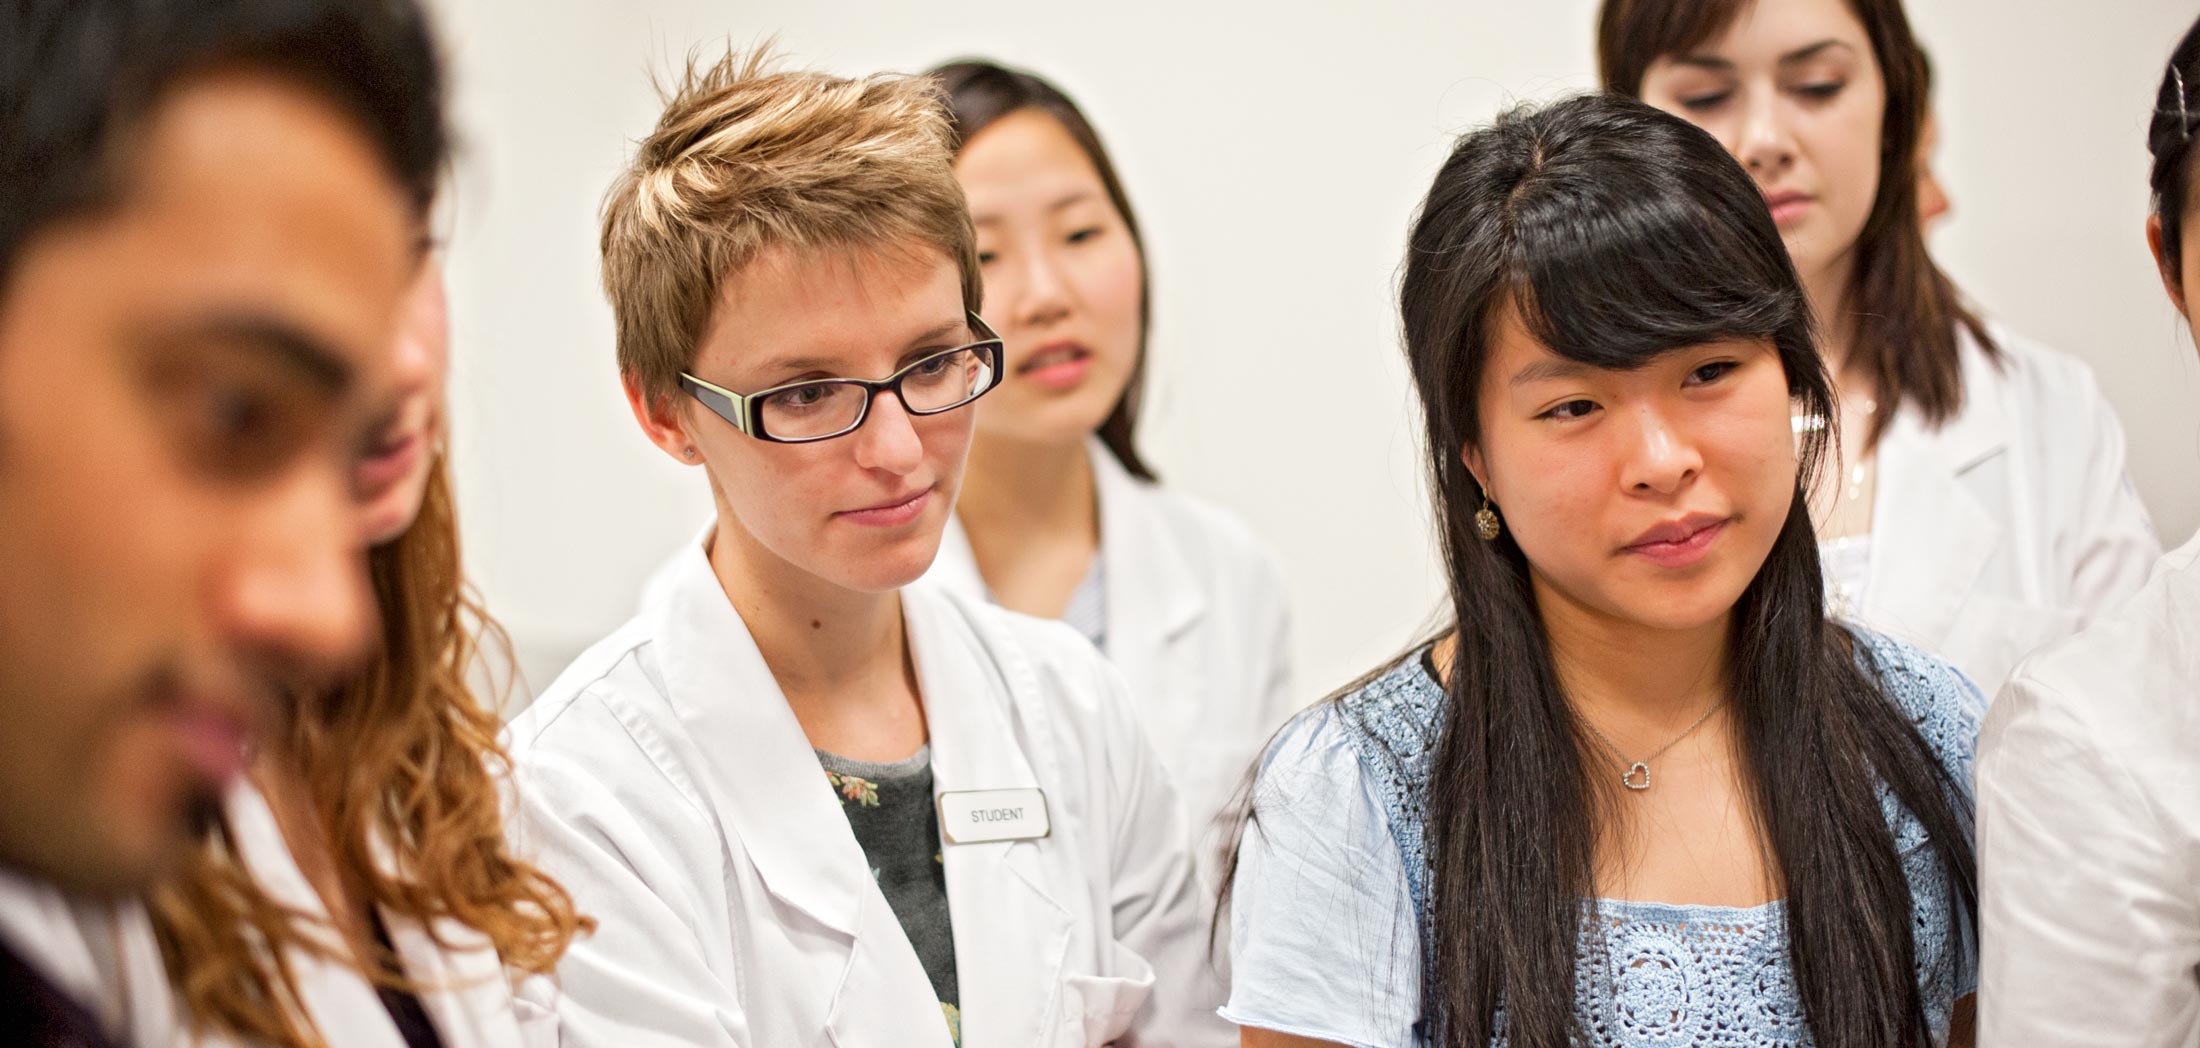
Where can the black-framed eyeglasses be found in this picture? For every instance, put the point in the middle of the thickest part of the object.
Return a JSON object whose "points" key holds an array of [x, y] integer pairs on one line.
{"points": [[824, 408]]}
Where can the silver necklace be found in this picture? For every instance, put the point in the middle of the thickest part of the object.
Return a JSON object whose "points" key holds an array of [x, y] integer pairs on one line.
{"points": [[1642, 767]]}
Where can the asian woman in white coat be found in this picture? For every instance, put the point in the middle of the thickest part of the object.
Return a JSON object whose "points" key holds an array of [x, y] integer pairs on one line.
{"points": [[808, 806], [1060, 516], [1981, 508], [2089, 767]]}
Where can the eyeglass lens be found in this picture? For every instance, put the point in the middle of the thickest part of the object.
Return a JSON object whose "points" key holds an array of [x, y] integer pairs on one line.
{"points": [[831, 406]]}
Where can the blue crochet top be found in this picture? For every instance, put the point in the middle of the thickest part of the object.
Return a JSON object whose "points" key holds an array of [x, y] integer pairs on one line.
{"points": [[1646, 973]]}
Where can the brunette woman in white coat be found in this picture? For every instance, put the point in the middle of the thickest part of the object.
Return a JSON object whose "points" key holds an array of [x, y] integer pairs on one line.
{"points": [[1981, 508], [1060, 517], [2089, 768], [358, 891], [355, 889], [211, 219], [805, 805], [352, 888]]}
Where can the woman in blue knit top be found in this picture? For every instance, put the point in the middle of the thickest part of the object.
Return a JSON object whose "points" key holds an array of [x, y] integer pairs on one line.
{"points": [[1645, 792]]}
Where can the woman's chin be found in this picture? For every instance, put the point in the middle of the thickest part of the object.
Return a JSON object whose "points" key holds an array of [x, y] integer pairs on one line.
{"points": [[384, 517], [1048, 423], [874, 564]]}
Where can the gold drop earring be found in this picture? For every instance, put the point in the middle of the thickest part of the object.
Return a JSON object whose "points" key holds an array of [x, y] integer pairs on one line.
{"points": [[1486, 523]]}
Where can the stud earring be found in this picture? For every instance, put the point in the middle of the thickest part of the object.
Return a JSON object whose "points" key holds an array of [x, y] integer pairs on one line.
{"points": [[1486, 523], [690, 452]]}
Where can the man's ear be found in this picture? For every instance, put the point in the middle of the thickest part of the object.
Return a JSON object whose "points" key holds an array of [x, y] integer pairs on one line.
{"points": [[661, 420], [2165, 266]]}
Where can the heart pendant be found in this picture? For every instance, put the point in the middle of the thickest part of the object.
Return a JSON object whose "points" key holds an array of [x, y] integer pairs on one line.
{"points": [[1639, 769]]}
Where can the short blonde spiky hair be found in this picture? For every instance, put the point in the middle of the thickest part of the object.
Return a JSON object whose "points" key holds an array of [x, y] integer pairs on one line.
{"points": [[746, 158]]}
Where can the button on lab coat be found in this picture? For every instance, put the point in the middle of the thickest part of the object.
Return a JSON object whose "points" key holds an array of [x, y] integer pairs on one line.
{"points": [[2011, 525], [2089, 832], [664, 781], [1198, 620]]}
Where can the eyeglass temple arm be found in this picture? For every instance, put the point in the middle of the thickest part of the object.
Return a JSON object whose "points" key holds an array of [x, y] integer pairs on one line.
{"points": [[980, 328], [725, 403]]}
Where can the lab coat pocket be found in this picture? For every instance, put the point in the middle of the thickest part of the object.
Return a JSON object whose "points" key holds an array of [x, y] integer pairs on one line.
{"points": [[1098, 1009]]}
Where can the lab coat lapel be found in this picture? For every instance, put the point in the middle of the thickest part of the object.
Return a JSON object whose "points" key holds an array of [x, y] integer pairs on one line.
{"points": [[763, 776], [765, 782], [335, 994], [462, 984], [1151, 598], [1930, 536], [1011, 935], [955, 567]]}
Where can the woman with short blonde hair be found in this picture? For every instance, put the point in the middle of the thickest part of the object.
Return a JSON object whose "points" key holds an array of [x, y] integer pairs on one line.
{"points": [[808, 801]]}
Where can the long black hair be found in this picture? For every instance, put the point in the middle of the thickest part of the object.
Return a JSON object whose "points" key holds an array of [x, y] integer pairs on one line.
{"points": [[1620, 233], [2169, 141], [980, 92]]}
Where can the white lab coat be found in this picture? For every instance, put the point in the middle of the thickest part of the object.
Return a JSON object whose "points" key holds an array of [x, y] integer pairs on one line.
{"points": [[2013, 524], [107, 953], [2089, 832], [664, 781], [1198, 620]]}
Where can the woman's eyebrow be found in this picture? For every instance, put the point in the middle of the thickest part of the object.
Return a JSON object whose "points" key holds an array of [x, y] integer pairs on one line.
{"points": [[798, 364], [1805, 54], [1543, 370], [1797, 56], [945, 329]]}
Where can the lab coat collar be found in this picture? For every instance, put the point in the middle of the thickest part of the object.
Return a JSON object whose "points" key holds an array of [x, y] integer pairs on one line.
{"points": [[1011, 936], [1930, 535], [1982, 427], [326, 990], [1148, 594], [2183, 563], [765, 778], [1145, 568], [460, 981], [955, 566]]}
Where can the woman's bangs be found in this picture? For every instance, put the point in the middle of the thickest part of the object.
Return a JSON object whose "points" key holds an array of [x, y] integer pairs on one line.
{"points": [[1635, 33], [1675, 29], [1612, 276]]}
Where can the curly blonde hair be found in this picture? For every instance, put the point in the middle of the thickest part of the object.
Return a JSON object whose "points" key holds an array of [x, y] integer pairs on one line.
{"points": [[401, 766]]}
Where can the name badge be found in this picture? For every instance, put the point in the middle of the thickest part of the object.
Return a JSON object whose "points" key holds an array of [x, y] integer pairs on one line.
{"points": [[979, 816]]}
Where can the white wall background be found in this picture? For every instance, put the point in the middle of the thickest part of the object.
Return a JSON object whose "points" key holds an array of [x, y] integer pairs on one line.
{"points": [[1274, 156]]}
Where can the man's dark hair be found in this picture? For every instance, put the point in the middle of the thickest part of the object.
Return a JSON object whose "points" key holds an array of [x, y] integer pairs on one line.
{"points": [[79, 77]]}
